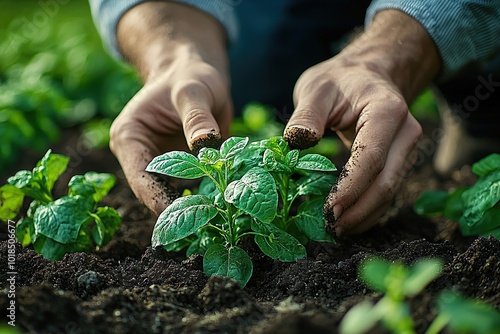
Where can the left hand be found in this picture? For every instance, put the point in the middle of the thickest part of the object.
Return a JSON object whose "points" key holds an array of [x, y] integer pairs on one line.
{"points": [[362, 94]]}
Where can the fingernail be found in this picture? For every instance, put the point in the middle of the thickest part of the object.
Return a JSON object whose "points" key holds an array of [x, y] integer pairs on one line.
{"points": [[339, 231], [337, 211]]}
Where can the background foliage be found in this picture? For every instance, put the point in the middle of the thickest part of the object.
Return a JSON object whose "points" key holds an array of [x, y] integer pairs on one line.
{"points": [[55, 73]]}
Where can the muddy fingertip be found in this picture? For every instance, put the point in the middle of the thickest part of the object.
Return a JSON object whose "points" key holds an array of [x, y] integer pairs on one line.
{"points": [[300, 137], [212, 139]]}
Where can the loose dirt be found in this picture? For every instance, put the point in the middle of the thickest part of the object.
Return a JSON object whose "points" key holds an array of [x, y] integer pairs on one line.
{"points": [[127, 287]]}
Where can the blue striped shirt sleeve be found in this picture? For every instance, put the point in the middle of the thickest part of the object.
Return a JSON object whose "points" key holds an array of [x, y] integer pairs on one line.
{"points": [[107, 13], [465, 31]]}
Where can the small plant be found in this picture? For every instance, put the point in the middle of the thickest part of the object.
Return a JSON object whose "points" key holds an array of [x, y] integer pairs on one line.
{"points": [[68, 224], [476, 208], [397, 282], [248, 189], [461, 315]]}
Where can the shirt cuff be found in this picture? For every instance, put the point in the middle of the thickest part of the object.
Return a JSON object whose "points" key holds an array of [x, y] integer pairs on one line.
{"points": [[464, 30], [107, 13]]}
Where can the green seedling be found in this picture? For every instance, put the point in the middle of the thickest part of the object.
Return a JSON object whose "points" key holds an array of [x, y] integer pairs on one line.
{"points": [[397, 282], [475, 208], [68, 224], [461, 315], [248, 190]]}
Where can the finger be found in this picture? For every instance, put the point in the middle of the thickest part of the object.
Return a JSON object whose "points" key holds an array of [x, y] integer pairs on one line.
{"points": [[372, 204], [194, 102], [130, 144], [376, 128], [314, 102]]}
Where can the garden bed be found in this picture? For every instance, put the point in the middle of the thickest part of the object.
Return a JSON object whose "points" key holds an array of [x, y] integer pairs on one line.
{"points": [[128, 287]]}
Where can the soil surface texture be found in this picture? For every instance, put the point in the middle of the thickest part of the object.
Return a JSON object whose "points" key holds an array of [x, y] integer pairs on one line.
{"points": [[127, 287]]}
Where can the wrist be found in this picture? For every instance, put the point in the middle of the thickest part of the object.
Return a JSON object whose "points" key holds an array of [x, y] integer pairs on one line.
{"points": [[397, 47], [155, 35]]}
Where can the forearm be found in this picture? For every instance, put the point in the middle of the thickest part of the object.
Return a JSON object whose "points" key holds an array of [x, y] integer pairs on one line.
{"points": [[466, 32], [152, 35], [398, 48]]}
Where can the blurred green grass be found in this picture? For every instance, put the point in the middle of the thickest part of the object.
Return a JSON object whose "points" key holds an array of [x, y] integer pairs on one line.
{"points": [[54, 73]]}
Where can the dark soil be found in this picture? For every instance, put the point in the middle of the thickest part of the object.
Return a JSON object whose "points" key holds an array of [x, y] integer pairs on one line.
{"points": [[127, 287]]}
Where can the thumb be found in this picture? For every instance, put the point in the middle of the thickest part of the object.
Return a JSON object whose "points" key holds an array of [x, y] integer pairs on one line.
{"points": [[194, 102]]}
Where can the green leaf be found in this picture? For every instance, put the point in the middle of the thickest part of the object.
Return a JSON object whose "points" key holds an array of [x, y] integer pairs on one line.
{"points": [[182, 218], [50, 249], [11, 200], [207, 187], [374, 273], [25, 229], [208, 155], [359, 319], [494, 233], [454, 206], [420, 274], [31, 184], [315, 162], [310, 220], [487, 165], [276, 144], [62, 219], [92, 184], [255, 193], [233, 146], [83, 242], [52, 166], [292, 158], [274, 163], [483, 195], [488, 222], [232, 262], [179, 245], [315, 184], [468, 316], [276, 243], [177, 164], [108, 221], [431, 203]]}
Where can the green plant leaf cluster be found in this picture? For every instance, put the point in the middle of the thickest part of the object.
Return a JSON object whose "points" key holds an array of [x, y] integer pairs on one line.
{"points": [[68, 224], [396, 282], [61, 78], [475, 208], [248, 189], [462, 315]]}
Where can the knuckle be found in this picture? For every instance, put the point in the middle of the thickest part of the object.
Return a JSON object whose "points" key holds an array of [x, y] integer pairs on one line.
{"points": [[387, 190], [195, 116], [375, 157], [117, 135]]}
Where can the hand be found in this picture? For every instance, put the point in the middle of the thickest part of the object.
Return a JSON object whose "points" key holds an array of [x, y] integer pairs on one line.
{"points": [[184, 103], [362, 94]]}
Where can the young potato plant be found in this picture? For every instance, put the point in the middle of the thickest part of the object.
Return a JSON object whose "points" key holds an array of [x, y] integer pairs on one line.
{"points": [[248, 190], [71, 223], [397, 282], [475, 208]]}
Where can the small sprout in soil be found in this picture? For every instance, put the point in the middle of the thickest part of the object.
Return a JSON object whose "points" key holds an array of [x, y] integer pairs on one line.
{"points": [[475, 208], [397, 282], [71, 223], [254, 189], [461, 315]]}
